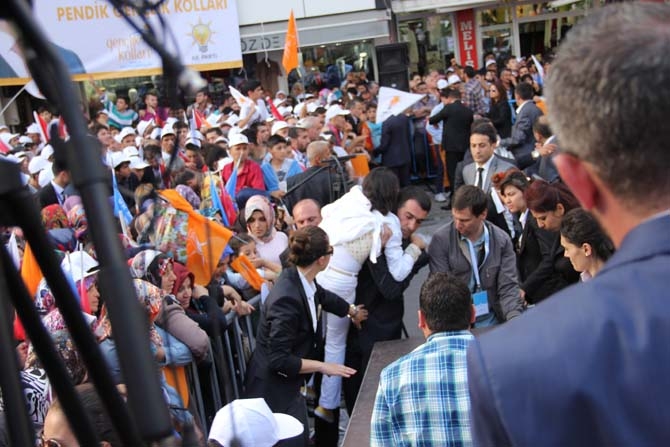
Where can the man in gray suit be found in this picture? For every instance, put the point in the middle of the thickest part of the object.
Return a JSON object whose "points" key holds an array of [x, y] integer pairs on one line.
{"points": [[522, 142]]}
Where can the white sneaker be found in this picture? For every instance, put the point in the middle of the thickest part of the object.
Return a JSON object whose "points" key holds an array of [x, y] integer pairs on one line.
{"points": [[440, 197]]}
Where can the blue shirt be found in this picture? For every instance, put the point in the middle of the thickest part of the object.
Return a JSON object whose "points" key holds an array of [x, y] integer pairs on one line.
{"points": [[423, 398]]}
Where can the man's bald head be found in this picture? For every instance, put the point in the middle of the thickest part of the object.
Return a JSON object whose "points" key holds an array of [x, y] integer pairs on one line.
{"points": [[306, 213], [317, 151]]}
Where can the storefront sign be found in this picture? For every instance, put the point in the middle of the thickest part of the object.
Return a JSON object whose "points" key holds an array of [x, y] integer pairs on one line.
{"points": [[94, 40], [255, 44], [467, 37]]}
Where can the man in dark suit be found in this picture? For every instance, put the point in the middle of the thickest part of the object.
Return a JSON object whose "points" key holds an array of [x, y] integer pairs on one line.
{"points": [[315, 182], [54, 192], [590, 366], [522, 141], [395, 146], [382, 295], [457, 120]]}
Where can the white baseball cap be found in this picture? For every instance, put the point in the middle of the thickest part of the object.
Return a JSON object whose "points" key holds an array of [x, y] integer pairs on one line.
{"points": [[138, 163], [167, 130], [232, 120], [7, 137], [37, 164], [47, 151], [193, 141], [79, 265], [237, 139], [118, 158], [251, 423], [442, 84], [23, 139], [131, 151], [277, 126], [453, 79], [334, 111], [142, 126]]}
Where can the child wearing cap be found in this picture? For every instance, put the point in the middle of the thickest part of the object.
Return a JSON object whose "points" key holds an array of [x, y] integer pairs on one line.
{"points": [[279, 166]]}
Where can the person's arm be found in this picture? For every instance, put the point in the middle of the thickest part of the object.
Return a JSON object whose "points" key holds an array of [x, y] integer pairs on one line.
{"points": [[400, 262], [249, 112], [386, 141], [508, 284], [437, 252], [442, 115], [176, 352], [174, 320], [256, 176], [269, 177], [520, 131], [381, 422], [545, 268]]}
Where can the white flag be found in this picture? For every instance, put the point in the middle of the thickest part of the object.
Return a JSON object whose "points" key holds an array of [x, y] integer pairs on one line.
{"points": [[239, 97], [394, 102], [539, 67]]}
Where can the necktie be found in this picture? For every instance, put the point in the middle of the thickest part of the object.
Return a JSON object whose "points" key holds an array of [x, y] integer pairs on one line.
{"points": [[480, 178]]}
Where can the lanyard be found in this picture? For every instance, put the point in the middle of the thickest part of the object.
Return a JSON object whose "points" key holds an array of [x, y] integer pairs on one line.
{"points": [[473, 256]]}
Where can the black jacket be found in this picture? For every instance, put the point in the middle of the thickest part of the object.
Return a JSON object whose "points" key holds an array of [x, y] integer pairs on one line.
{"points": [[501, 116], [395, 146], [535, 261], [456, 129], [285, 337]]}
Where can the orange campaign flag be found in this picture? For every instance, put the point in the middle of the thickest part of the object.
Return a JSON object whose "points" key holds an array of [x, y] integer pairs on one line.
{"points": [[290, 58], [244, 267], [30, 271], [205, 241]]}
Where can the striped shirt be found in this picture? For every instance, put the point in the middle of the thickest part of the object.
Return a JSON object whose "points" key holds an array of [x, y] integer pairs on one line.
{"points": [[423, 398], [118, 118]]}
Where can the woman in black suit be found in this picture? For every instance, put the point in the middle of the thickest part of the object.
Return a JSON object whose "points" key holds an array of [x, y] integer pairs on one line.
{"points": [[288, 347], [499, 113], [535, 249]]}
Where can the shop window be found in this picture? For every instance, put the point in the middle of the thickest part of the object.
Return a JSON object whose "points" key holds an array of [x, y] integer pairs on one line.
{"points": [[537, 9], [498, 42], [494, 16], [430, 42]]}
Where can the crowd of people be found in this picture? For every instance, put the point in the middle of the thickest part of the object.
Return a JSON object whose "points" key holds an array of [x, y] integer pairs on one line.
{"points": [[331, 247]]}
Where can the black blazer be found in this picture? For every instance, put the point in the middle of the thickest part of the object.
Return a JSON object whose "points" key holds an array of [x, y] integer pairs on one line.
{"points": [[501, 116], [311, 186], [396, 144], [535, 261], [285, 337], [47, 196], [457, 120]]}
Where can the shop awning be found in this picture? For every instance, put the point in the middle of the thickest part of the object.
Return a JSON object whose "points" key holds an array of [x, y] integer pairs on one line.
{"points": [[443, 6], [317, 31]]}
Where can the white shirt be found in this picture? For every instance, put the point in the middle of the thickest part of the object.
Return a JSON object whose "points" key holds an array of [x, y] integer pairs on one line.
{"points": [[310, 291], [59, 192], [518, 109], [524, 218]]}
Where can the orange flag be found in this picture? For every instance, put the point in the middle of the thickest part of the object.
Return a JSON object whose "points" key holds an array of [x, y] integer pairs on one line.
{"points": [[30, 271], [290, 58], [205, 242], [244, 267]]}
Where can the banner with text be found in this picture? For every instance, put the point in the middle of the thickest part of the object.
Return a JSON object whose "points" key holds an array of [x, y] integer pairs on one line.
{"points": [[467, 37], [94, 40]]}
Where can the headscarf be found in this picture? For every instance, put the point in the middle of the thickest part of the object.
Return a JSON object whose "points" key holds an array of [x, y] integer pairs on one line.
{"points": [[262, 204], [140, 263], [53, 216], [74, 365], [181, 272], [71, 202], [191, 197], [151, 298], [78, 221], [44, 299]]}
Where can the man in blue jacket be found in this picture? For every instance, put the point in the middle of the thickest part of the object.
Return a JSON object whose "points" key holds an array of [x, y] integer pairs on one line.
{"points": [[590, 366]]}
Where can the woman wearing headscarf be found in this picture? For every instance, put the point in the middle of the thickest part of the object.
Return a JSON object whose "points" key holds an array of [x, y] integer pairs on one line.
{"points": [[158, 269], [260, 218], [59, 231]]}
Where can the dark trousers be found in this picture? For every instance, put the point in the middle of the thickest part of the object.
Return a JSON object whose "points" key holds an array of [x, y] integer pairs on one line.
{"points": [[403, 174], [297, 409], [453, 158]]}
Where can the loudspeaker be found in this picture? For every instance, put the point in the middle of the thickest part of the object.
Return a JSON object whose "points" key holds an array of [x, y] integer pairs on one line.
{"points": [[395, 79], [392, 57], [393, 64]]}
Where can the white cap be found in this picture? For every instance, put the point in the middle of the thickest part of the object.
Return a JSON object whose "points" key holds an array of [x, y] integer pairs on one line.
{"points": [[251, 423], [194, 141], [312, 106], [334, 111], [285, 110], [79, 265], [442, 84], [137, 163], [20, 155], [198, 135], [237, 139], [232, 120], [7, 137], [278, 101], [131, 151], [25, 140], [279, 125], [142, 126], [221, 140], [33, 128], [36, 165], [280, 92], [169, 121], [46, 175], [222, 162], [118, 158], [298, 108], [156, 133], [490, 62], [47, 151], [167, 130], [453, 79]]}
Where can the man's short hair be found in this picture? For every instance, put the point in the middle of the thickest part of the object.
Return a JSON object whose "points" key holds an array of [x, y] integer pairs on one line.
{"points": [[294, 132], [216, 130], [524, 91], [445, 302], [470, 197], [417, 194], [487, 130], [617, 132], [469, 71], [250, 86], [541, 126], [275, 140]]}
